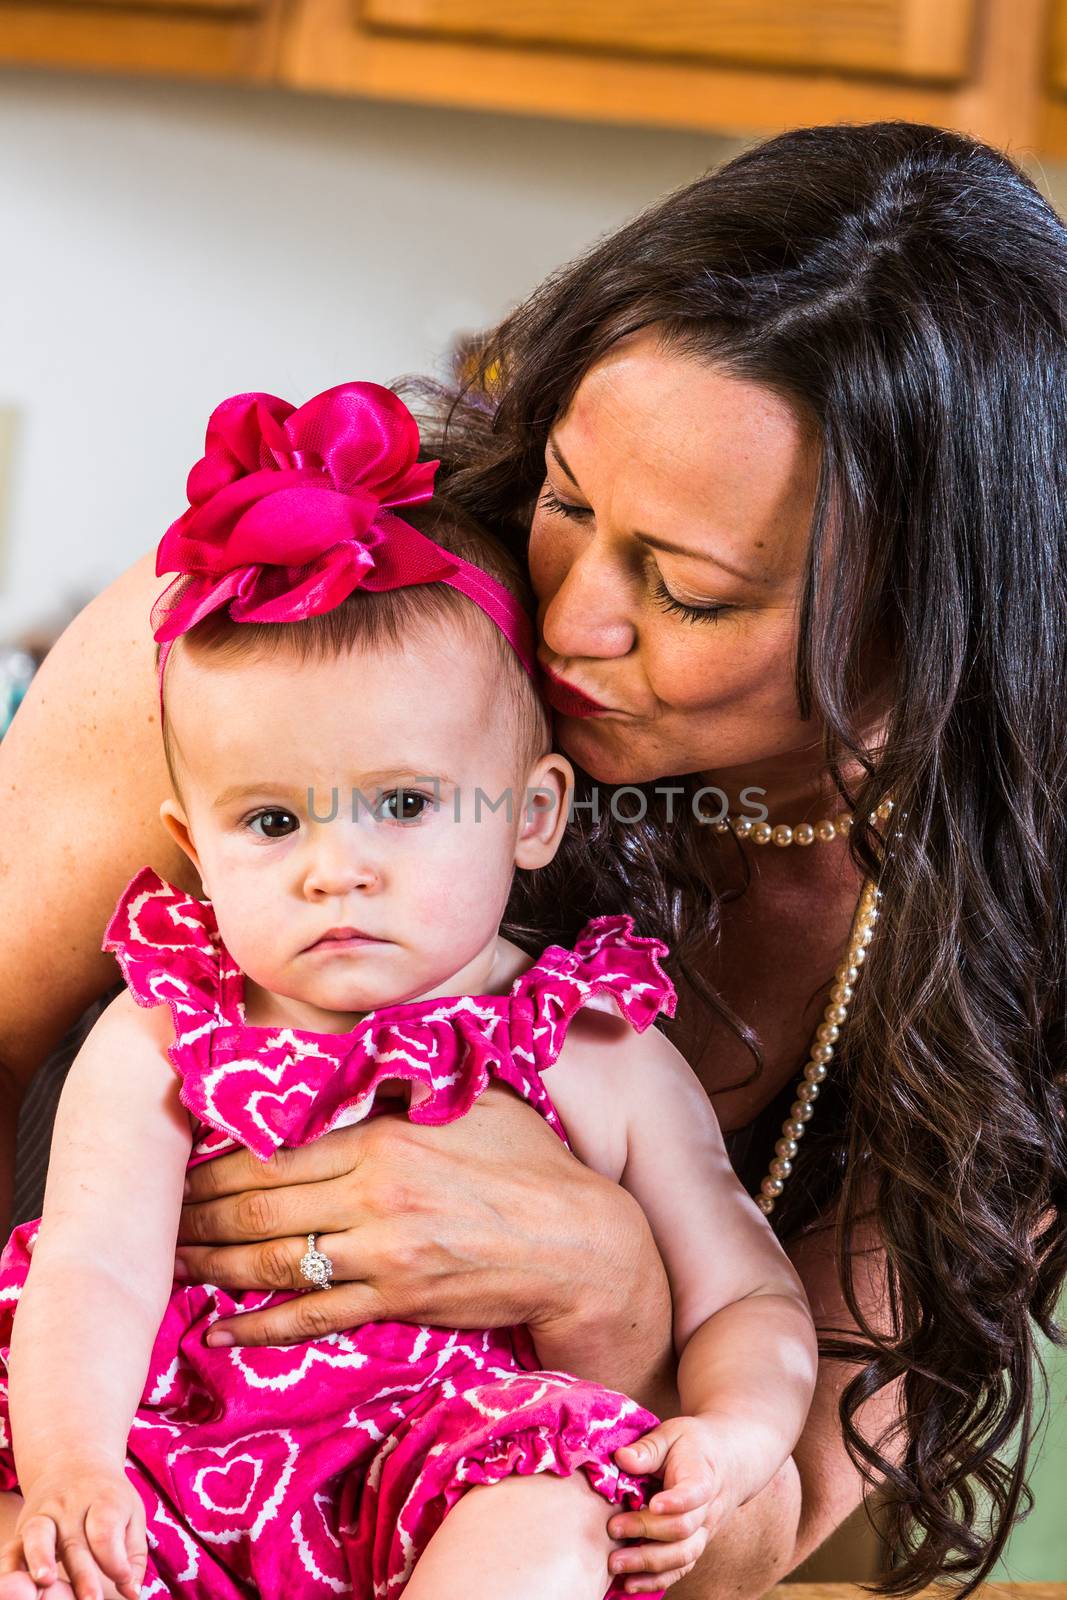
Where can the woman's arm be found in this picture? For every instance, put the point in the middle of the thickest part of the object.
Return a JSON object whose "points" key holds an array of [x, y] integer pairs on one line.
{"points": [[82, 776], [104, 1247]]}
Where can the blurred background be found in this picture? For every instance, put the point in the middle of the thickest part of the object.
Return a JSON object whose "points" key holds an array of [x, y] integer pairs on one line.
{"points": [[204, 196]]}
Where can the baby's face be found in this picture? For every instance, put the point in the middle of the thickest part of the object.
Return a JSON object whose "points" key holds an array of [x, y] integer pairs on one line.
{"points": [[343, 794]]}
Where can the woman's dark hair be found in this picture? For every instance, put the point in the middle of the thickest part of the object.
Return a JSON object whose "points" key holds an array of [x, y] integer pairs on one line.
{"points": [[906, 288]]}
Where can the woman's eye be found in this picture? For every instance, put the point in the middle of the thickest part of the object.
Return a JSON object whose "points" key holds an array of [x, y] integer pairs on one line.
{"points": [[678, 608], [550, 501], [403, 805], [275, 824]]}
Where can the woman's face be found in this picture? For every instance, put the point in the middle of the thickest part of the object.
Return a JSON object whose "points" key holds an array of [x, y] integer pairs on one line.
{"points": [[668, 554]]}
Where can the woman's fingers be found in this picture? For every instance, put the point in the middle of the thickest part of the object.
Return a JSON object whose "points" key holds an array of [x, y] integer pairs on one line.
{"points": [[237, 1267], [308, 1316], [255, 1214], [238, 1171], [275, 1263]]}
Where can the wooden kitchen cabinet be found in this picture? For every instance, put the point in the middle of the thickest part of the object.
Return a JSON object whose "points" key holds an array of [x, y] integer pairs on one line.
{"points": [[1052, 134], [996, 68], [233, 40], [911, 39], [727, 66]]}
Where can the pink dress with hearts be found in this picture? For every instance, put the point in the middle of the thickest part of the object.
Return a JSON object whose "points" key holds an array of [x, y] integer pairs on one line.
{"points": [[323, 1469]]}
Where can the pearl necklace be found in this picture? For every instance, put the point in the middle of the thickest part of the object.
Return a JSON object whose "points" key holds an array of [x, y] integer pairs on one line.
{"points": [[829, 1030], [822, 1049], [847, 976], [804, 833]]}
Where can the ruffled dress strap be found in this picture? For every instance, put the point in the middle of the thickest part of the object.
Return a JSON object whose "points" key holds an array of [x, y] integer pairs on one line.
{"points": [[265, 1087], [611, 967], [167, 944]]}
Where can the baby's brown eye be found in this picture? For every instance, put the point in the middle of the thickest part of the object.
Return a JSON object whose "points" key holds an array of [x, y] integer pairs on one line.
{"points": [[402, 805], [276, 824]]}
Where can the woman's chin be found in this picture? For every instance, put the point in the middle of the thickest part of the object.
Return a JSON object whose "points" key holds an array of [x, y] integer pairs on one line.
{"points": [[612, 753]]}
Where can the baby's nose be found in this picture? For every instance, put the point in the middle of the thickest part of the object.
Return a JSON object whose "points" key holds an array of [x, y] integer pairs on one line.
{"points": [[340, 862]]}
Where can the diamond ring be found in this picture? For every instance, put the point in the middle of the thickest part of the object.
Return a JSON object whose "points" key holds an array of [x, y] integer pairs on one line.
{"points": [[315, 1265]]}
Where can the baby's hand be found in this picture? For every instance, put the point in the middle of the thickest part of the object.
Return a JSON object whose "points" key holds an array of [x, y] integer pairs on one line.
{"points": [[91, 1517], [688, 1455]]}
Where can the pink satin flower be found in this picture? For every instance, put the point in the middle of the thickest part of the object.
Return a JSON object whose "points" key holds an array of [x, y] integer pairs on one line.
{"points": [[289, 504], [290, 510]]}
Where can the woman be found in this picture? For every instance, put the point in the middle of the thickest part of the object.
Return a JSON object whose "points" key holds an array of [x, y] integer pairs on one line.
{"points": [[790, 452]]}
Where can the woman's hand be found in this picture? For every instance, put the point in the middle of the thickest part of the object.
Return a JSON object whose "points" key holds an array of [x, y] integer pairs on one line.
{"points": [[486, 1222]]}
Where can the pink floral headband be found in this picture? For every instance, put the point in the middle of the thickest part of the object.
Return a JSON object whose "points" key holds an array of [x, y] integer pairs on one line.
{"points": [[290, 511]]}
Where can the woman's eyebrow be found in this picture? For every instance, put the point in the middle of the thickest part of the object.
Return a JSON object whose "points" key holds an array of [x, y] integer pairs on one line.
{"points": [[695, 555], [561, 461], [662, 544]]}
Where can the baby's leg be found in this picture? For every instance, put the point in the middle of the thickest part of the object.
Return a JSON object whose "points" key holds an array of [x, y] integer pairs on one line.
{"points": [[520, 1539]]}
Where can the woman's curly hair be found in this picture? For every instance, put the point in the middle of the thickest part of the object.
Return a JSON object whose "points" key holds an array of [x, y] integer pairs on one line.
{"points": [[907, 289]]}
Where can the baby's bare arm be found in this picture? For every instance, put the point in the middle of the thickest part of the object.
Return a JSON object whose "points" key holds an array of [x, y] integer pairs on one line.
{"points": [[81, 779], [742, 1326], [105, 1252], [105, 1245]]}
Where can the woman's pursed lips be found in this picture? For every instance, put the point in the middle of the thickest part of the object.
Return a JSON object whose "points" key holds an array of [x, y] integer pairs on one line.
{"points": [[568, 699]]}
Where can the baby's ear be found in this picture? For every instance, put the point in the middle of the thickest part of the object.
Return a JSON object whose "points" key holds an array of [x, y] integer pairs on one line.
{"points": [[173, 818], [545, 811]]}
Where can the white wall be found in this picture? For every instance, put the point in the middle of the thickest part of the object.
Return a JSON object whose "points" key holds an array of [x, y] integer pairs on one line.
{"points": [[166, 245]]}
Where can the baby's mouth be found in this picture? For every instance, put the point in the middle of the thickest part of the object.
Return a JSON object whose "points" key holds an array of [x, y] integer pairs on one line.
{"points": [[339, 939]]}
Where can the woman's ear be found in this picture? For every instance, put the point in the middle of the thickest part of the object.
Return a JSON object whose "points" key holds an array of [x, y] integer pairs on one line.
{"points": [[173, 818], [545, 811]]}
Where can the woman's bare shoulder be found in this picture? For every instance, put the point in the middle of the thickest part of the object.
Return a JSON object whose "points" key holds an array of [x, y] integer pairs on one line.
{"points": [[82, 776]]}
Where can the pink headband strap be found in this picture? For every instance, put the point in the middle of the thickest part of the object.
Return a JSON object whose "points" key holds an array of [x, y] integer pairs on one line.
{"points": [[290, 512]]}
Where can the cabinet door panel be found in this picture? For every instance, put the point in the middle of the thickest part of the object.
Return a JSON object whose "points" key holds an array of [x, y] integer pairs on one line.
{"points": [[218, 8], [1058, 48], [232, 40], [920, 39]]}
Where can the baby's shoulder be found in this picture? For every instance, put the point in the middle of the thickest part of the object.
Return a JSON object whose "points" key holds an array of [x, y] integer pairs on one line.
{"points": [[608, 1079], [124, 1053], [125, 1021]]}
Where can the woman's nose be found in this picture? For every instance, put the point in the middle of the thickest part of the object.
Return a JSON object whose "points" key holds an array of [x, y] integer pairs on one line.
{"points": [[340, 861], [590, 611]]}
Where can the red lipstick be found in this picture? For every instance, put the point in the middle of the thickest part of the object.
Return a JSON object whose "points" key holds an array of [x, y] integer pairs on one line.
{"points": [[567, 700]]}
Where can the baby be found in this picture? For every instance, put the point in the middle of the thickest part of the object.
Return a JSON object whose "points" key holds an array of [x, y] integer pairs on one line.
{"points": [[360, 762]]}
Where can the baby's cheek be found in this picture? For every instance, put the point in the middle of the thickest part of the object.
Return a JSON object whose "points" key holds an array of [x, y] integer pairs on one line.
{"points": [[465, 884]]}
